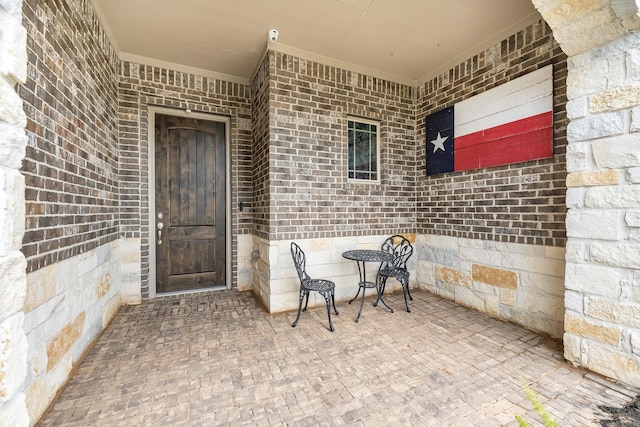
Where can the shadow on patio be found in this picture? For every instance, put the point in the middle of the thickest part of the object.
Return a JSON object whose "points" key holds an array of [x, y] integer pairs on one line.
{"points": [[217, 358]]}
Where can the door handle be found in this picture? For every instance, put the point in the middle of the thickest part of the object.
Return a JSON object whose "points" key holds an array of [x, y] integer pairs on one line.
{"points": [[160, 226]]}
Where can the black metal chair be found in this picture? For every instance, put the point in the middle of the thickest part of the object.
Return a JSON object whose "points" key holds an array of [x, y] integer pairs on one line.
{"points": [[402, 250], [324, 287]]}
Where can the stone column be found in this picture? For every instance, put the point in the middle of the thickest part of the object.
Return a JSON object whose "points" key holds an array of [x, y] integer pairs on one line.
{"points": [[13, 343], [602, 280]]}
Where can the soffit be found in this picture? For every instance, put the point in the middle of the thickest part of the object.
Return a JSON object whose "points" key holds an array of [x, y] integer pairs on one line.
{"points": [[406, 41]]}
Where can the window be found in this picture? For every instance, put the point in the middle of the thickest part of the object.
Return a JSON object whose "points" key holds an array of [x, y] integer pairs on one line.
{"points": [[364, 150]]}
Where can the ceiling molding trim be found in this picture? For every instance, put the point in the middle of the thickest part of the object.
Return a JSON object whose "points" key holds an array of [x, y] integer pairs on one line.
{"points": [[143, 60], [282, 48], [259, 62], [105, 27], [502, 35]]}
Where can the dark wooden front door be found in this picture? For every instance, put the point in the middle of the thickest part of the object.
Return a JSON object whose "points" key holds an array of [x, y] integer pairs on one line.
{"points": [[190, 177]]}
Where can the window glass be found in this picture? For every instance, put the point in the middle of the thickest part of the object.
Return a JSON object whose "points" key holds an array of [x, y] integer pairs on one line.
{"points": [[363, 147]]}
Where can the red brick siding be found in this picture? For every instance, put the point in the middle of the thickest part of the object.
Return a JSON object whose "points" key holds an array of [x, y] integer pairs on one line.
{"points": [[310, 196], [71, 164], [259, 204]]}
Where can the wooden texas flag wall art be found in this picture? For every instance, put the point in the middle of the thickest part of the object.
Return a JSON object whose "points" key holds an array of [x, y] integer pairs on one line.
{"points": [[508, 124]]}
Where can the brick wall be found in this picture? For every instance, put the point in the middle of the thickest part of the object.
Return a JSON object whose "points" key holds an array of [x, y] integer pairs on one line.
{"points": [[309, 193], [260, 95], [71, 166], [142, 86], [518, 203], [310, 196]]}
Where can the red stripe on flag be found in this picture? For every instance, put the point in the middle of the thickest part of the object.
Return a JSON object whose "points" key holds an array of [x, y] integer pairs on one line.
{"points": [[518, 141]]}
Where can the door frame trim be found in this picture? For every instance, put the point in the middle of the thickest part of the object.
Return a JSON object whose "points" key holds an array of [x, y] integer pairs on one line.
{"points": [[152, 111]]}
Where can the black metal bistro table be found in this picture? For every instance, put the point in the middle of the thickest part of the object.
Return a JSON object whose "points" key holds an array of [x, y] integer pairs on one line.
{"points": [[363, 256]]}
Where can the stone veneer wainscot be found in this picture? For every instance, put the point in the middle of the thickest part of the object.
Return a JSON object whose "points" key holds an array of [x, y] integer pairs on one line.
{"points": [[13, 342]]}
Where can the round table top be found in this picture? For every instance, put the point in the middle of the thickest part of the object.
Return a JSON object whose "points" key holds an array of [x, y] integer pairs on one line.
{"points": [[368, 255]]}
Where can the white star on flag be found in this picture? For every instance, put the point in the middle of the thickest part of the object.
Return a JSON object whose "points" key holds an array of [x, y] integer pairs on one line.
{"points": [[438, 143]]}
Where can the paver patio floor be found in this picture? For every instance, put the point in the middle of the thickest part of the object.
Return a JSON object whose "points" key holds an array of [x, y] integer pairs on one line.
{"points": [[217, 358]]}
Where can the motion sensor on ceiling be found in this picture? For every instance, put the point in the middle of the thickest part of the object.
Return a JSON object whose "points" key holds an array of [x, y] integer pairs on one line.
{"points": [[273, 35]]}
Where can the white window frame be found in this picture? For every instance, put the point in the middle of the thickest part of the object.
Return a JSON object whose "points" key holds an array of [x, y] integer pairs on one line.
{"points": [[378, 162]]}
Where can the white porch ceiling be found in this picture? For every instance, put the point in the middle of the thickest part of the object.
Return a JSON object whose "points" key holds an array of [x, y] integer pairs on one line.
{"points": [[407, 41]]}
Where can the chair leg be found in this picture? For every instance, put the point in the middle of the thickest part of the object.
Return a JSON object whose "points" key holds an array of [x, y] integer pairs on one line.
{"points": [[327, 299], [382, 283], [410, 297], [385, 304], [302, 293], [307, 302], [333, 301], [405, 291]]}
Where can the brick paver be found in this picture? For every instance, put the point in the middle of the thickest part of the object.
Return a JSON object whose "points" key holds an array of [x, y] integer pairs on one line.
{"points": [[217, 358]]}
